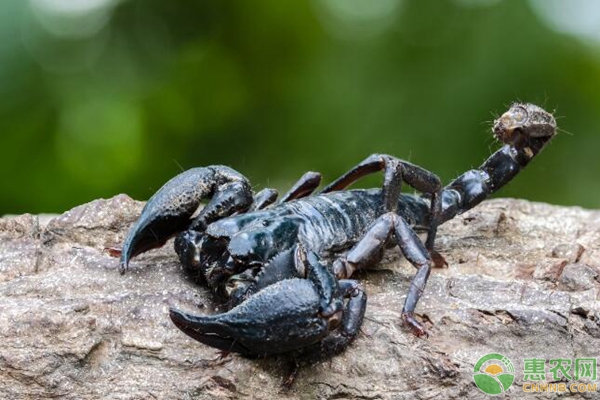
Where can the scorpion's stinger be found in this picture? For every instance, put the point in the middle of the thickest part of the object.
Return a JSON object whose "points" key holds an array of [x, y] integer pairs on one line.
{"points": [[525, 129], [170, 210]]}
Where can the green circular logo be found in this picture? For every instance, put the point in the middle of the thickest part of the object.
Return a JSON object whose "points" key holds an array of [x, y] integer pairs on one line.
{"points": [[493, 374]]}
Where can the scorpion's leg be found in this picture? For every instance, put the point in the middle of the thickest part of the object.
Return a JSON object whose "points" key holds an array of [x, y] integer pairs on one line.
{"points": [[524, 129], [170, 210], [369, 250], [354, 313], [397, 171], [303, 187], [340, 338], [263, 199]]}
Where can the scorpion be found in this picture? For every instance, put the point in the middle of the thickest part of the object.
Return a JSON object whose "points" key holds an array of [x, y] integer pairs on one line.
{"points": [[285, 266]]}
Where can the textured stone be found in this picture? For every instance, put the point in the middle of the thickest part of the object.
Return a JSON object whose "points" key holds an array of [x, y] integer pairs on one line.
{"points": [[522, 281]]}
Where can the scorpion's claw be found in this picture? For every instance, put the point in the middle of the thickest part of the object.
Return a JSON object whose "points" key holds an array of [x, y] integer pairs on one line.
{"points": [[281, 317], [170, 210], [289, 315]]}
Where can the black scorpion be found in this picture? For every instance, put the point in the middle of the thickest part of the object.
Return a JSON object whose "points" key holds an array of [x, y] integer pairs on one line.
{"points": [[284, 267]]}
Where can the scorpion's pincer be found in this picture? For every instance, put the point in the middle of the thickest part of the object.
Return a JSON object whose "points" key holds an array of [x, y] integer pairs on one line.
{"points": [[171, 209], [280, 318]]}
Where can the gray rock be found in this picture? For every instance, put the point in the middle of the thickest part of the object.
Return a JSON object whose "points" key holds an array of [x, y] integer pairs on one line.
{"points": [[522, 281]]}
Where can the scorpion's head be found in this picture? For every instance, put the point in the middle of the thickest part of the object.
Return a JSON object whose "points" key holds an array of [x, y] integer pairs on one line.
{"points": [[199, 253], [259, 242], [229, 247], [205, 249], [525, 126]]}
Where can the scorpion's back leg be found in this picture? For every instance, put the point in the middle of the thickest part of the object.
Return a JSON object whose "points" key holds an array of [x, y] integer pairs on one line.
{"points": [[395, 172], [170, 210], [303, 187], [369, 249]]}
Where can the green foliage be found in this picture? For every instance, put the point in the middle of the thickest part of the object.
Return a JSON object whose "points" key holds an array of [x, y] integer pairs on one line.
{"points": [[122, 99]]}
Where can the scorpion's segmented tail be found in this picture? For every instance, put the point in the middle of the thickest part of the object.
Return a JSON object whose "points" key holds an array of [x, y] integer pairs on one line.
{"points": [[525, 129]]}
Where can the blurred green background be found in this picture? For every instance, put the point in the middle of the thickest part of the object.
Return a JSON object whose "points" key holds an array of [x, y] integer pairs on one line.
{"points": [[99, 97]]}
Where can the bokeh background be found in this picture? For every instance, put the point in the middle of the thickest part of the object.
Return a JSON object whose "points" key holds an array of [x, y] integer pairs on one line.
{"points": [[99, 97]]}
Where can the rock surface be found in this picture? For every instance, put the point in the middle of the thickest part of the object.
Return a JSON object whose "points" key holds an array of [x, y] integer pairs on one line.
{"points": [[523, 281]]}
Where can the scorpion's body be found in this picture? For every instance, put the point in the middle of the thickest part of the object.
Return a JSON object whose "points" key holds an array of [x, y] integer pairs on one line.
{"points": [[335, 221], [285, 266], [330, 222]]}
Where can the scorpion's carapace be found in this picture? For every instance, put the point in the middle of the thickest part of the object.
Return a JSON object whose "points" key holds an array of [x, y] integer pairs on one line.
{"points": [[285, 266]]}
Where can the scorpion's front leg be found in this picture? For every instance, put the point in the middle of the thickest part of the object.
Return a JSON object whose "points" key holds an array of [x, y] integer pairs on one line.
{"points": [[170, 210], [263, 199], [302, 188], [290, 315], [369, 249]]}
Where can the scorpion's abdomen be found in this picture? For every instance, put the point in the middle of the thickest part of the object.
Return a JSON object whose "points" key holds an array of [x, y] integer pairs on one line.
{"points": [[336, 220]]}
